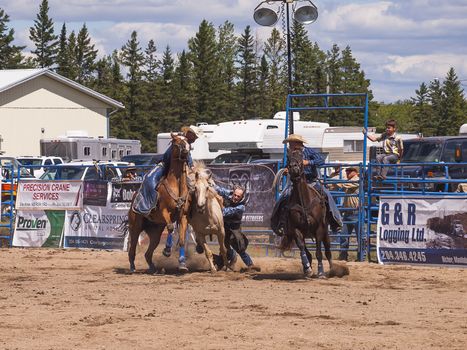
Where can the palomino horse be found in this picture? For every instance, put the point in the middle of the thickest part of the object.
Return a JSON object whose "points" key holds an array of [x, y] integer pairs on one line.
{"points": [[173, 203], [206, 214], [306, 218]]}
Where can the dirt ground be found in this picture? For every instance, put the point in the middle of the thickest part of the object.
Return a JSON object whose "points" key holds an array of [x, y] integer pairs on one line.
{"points": [[71, 299]]}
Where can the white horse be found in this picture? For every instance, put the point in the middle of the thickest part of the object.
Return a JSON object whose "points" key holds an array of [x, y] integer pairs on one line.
{"points": [[206, 213]]}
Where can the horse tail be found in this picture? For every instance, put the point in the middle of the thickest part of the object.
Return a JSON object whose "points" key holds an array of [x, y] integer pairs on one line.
{"points": [[286, 243], [278, 176]]}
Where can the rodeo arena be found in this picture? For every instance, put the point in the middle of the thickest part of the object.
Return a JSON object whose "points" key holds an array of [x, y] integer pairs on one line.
{"points": [[106, 247]]}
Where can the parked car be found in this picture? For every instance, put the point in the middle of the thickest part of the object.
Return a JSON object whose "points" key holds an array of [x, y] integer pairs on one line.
{"points": [[143, 159], [439, 150], [38, 165], [86, 171], [238, 157], [10, 166]]}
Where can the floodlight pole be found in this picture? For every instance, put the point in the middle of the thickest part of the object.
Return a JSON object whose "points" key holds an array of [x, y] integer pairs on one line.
{"points": [[289, 65]]}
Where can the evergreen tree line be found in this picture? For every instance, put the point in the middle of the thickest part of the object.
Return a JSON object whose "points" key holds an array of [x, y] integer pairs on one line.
{"points": [[439, 108], [220, 77]]}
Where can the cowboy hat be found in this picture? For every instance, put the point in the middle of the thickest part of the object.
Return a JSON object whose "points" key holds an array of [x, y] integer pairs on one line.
{"points": [[294, 138], [193, 129]]}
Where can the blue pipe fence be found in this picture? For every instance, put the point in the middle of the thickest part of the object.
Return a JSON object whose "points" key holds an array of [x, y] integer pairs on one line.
{"points": [[362, 240]]}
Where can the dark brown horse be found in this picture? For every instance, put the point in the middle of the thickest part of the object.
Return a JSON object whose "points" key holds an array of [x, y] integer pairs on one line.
{"points": [[172, 207], [307, 217]]}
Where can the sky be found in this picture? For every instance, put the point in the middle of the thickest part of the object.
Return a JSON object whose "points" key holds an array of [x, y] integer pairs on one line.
{"points": [[399, 43]]}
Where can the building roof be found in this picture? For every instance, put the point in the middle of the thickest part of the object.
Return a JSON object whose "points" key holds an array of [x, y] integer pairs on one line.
{"points": [[10, 78]]}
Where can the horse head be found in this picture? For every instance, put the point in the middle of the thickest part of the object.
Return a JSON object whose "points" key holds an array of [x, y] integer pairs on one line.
{"points": [[181, 147], [201, 190], [295, 165]]}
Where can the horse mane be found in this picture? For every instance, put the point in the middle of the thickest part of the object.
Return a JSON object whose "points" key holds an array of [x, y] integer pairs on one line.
{"points": [[200, 168]]}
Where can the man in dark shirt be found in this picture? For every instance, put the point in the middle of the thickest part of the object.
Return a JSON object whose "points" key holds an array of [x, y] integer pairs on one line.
{"points": [[235, 241], [311, 161]]}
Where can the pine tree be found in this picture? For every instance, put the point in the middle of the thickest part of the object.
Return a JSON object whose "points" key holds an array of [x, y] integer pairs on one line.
{"points": [[72, 68], [263, 105], [247, 74], [185, 103], [150, 96], [333, 69], [168, 120], [274, 50], [85, 55], [63, 58], [43, 37], [117, 90], [203, 55], [302, 71], [226, 92], [436, 100], [352, 81], [132, 57], [151, 62], [453, 103], [422, 111], [10, 55]]}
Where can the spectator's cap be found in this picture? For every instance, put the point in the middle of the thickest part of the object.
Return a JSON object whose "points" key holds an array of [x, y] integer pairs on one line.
{"points": [[351, 168], [294, 138], [193, 129], [131, 168]]}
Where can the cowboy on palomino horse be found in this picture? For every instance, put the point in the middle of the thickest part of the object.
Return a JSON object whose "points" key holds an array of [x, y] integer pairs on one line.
{"points": [[311, 161]]}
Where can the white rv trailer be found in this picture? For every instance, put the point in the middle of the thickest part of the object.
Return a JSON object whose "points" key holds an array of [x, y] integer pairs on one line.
{"points": [[200, 148], [265, 136], [76, 145]]}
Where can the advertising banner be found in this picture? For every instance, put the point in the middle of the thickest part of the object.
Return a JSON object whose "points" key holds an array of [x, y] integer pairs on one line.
{"points": [[122, 194], [422, 230], [95, 192], [49, 195], [38, 228], [95, 227], [257, 179]]}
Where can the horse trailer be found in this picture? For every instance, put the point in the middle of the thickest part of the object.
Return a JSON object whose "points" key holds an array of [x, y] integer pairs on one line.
{"points": [[89, 148]]}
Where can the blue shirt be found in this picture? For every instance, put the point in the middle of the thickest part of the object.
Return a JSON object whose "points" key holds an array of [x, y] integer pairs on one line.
{"points": [[315, 160], [232, 212]]}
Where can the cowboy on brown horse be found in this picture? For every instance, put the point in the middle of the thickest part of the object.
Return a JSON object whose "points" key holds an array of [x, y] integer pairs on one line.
{"points": [[149, 215], [311, 161], [146, 200]]}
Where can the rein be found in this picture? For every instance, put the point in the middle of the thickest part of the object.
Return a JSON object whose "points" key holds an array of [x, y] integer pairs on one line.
{"points": [[179, 201]]}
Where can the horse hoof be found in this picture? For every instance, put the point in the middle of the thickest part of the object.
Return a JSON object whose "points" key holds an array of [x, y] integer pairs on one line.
{"points": [[322, 275], [167, 252], [182, 268], [308, 272]]}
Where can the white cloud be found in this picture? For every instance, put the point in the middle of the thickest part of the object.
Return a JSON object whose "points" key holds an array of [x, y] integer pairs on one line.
{"points": [[427, 66]]}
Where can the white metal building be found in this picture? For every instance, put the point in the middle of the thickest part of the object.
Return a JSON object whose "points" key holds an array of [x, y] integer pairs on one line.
{"points": [[39, 103]]}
